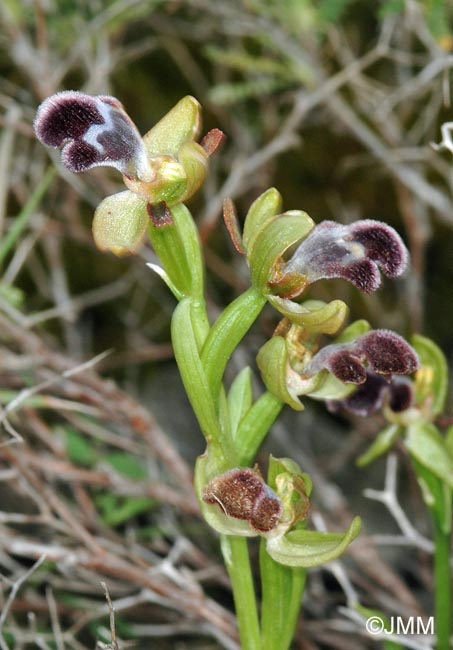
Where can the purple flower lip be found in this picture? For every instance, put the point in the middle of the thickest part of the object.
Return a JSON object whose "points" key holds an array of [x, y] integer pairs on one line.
{"points": [[355, 253], [382, 352], [92, 132], [242, 494], [374, 393]]}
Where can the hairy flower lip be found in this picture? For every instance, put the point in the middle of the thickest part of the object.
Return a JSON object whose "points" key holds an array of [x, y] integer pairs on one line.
{"points": [[92, 131], [382, 352], [398, 394], [242, 494], [356, 253]]}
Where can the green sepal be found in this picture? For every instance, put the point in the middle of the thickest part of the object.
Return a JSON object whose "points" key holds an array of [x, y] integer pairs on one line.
{"points": [[262, 210], [427, 446], [382, 444], [431, 381], [240, 398], [315, 315], [330, 388], [436, 495], [272, 360], [206, 468], [120, 223], [194, 160], [353, 331], [272, 241], [294, 488], [181, 124], [310, 548]]}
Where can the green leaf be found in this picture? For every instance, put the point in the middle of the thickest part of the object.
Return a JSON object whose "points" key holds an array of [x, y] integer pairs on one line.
{"points": [[226, 334], [262, 210], [240, 397], [427, 446], [117, 511], [127, 465], [193, 373], [309, 548], [449, 440], [431, 382], [181, 124], [315, 315], [383, 443], [255, 426], [79, 449]]}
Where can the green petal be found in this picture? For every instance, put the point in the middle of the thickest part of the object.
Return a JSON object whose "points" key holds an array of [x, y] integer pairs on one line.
{"points": [[314, 315], [432, 378], [272, 360], [262, 210], [309, 548], [120, 223], [428, 447], [194, 160]]}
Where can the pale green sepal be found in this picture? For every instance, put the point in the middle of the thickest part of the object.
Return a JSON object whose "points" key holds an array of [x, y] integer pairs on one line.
{"points": [[272, 360], [431, 381], [353, 331], [240, 398], [206, 468], [310, 548], [314, 315], [437, 495], [383, 443], [427, 446], [120, 223], [194, 160], [265, 207], [158, 270], [331, 388], [273, 240], [181, 124]]}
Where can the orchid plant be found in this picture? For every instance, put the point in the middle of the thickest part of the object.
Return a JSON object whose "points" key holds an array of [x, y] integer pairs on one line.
{"points": [[359, 370]]}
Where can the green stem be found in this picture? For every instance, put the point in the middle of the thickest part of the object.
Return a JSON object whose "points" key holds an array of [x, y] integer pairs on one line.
{"points": [[237, 561], [442, 573], [20, 222], [226, 334], [282, 592]]}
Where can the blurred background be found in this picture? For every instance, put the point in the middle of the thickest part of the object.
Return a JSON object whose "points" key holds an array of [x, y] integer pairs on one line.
{"points": [[334, 102]]}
